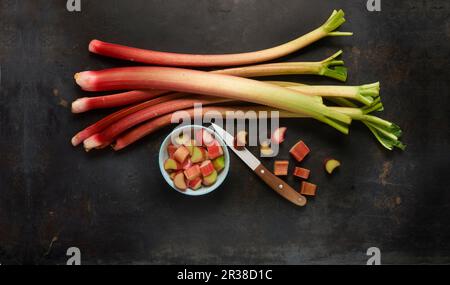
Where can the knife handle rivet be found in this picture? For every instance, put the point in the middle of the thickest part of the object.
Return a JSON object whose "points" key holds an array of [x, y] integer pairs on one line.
{"points": [[262, 171], [280, 186]]}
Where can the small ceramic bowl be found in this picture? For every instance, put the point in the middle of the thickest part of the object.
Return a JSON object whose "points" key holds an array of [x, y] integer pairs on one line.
{"points": [[163, 155]]}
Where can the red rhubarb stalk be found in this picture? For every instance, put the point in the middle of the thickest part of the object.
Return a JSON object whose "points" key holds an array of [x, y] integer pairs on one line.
{"points": [[106, 136], [200, 82], [110, 101], [177, 59], [329, 67], [110, 119]]}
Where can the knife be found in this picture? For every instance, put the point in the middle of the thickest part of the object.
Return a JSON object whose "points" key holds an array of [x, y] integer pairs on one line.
{"points": [[278, 185]]}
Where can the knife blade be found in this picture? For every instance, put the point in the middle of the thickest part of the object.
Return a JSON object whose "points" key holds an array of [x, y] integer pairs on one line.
{"points": [[278, 185]]}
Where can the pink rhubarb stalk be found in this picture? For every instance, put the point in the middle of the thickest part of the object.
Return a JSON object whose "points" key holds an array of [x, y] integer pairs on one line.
{"points": [[330, 67], [105, 137], [114, 117], [177, 59], [200, 82], [110, 101]]}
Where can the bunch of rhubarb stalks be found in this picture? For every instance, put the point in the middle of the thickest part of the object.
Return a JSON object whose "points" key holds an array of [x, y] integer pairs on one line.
{"points": [[151, 94]]}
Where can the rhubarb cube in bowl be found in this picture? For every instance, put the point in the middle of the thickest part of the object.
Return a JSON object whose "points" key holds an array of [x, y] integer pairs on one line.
{"points": [[209, 182]]}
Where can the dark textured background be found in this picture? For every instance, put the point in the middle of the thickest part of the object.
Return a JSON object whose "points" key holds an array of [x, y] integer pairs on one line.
{"points": [[116, 207]]}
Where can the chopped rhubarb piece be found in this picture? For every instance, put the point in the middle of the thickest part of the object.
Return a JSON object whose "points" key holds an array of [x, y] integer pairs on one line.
{"points": [[210, 179], [299, 151], [278, 135], [198, 154], [203, 137], [301, 172], [265, 144], [331, 165], [219, 163], [206, 168], [190, 146], [204, 153], [199, 137], [281, 167], [181, 154], [308, 189], [182, 139], [173, 174], [170, 165], [266, 150], [240, 141], [195, 184], [171, 150], [179, 181], [192, 172], [214, 151], [186, 164]]}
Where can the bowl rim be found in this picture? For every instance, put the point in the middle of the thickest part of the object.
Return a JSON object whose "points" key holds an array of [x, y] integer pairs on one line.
{"points": [[203, 190]]}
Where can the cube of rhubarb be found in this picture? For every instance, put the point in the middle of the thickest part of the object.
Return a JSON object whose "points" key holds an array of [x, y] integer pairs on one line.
{"points": [[173, 174], [186, 164], [308, 189], [210, 179], [241, 140], [214, 151], [171, 150], [181, 154], [171, 164], [203, 137], [278, 135], [281, 167], [198, 154], [190, 146], [195, 184], [179, 181], [192, 172], [219, 163], [206, 168], [301, 172], [299, 151]]}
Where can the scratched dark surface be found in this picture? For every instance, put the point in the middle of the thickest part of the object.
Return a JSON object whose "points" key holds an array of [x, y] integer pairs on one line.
{"points": [[117, 208]]}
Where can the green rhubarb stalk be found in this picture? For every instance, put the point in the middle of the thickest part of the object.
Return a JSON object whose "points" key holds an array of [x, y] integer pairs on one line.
{"points": [[330, 67], [387, 133], [365, 94]]}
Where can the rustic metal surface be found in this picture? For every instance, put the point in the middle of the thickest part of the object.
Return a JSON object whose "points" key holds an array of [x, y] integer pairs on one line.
{"points": [[116, 207]]}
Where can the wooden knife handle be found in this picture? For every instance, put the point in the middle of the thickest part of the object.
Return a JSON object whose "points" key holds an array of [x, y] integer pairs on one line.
{"points": [[280, 186]]}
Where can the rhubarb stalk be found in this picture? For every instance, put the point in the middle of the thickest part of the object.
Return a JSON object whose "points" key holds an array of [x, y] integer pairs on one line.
{"points": [[200, 82], [365, 94], [176, 59], [317, 68], [109, 101], [330, 67], [105, 137], [151, 126], [114, 117], [387, 133]]}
